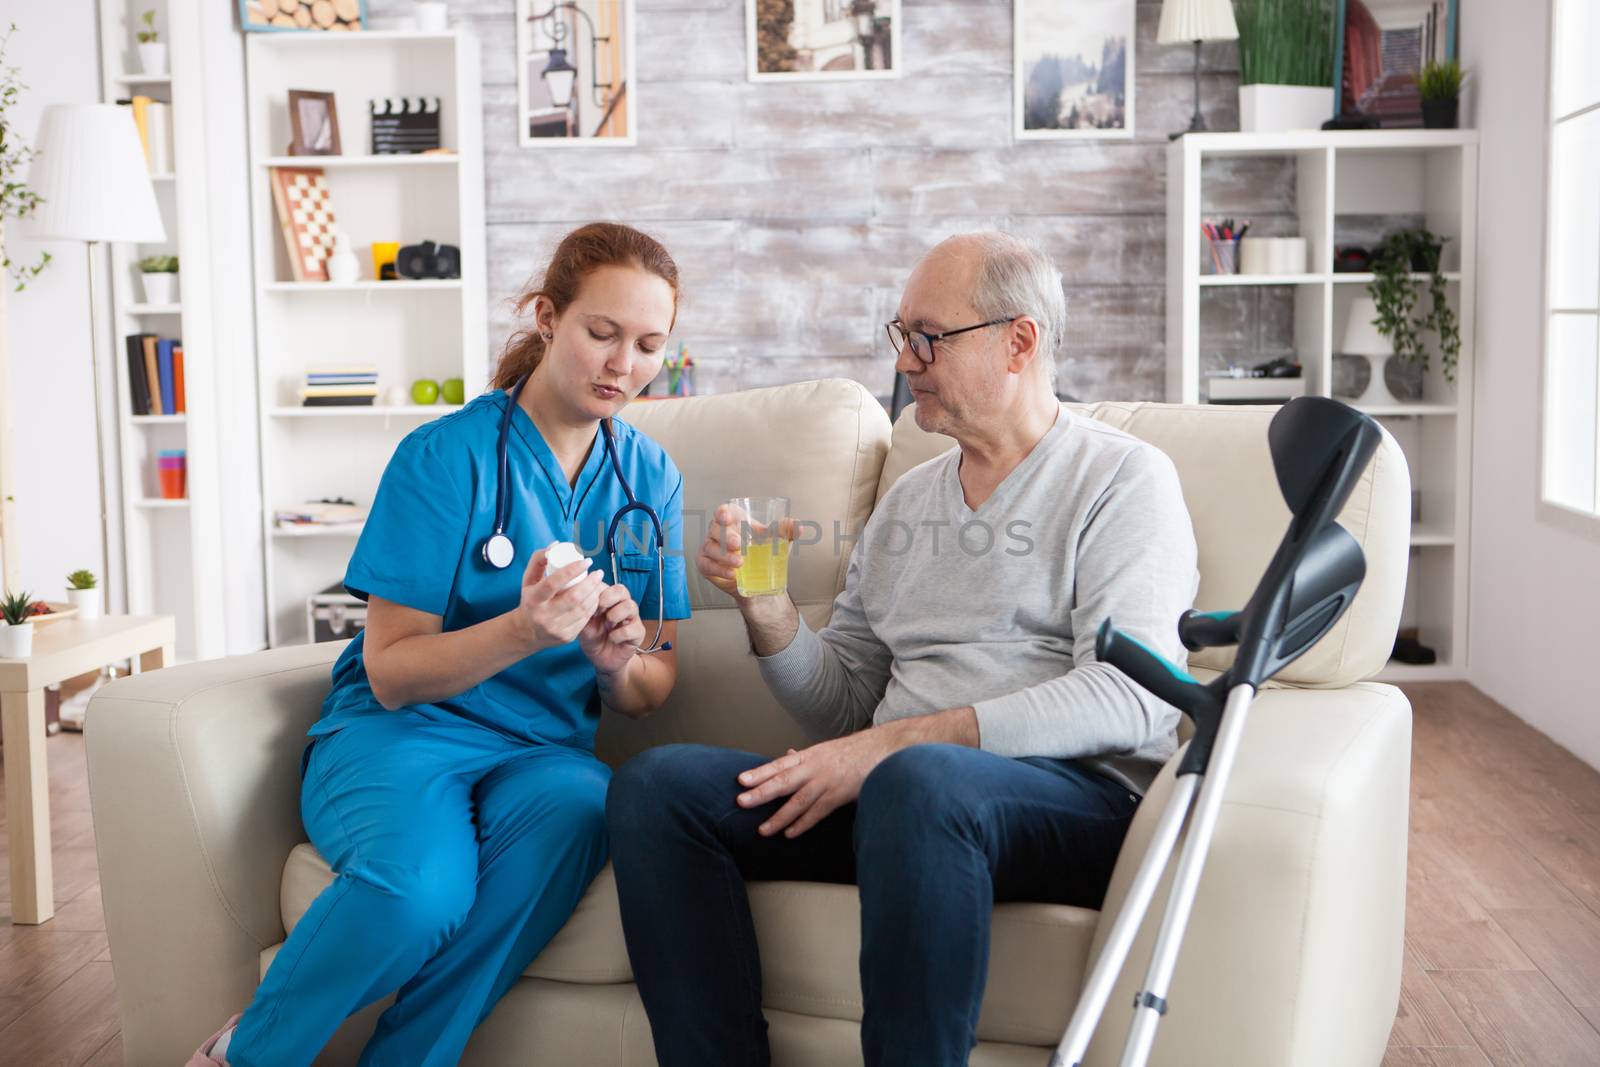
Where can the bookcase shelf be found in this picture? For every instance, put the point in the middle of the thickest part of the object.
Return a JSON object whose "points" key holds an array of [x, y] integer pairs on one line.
{"points": [[440, 332], [1343, 188], [169, 554]]}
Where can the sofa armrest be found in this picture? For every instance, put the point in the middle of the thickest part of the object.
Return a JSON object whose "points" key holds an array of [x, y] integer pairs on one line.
{"points": [[1292, 954], [195, 786]]}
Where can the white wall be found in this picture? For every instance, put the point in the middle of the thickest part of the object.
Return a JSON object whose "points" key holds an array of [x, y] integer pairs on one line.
{"points": [[51, 433], [1535, 598]]}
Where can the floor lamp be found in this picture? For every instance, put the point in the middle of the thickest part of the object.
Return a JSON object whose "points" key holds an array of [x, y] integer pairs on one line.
{"points": [[93, 183]]}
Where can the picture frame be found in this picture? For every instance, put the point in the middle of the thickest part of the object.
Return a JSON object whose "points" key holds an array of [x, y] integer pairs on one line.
{"points": [[302, 16], [313, 123], [1375, 44], [577, 84], [824, 40], [1066, 62]]}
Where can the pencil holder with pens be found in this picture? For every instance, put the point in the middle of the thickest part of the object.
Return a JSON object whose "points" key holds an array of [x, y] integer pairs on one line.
{"points": [[1222, 246]]}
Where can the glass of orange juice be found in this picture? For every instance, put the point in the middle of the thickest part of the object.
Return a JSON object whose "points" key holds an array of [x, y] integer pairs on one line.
{"points": [[762, 521]]}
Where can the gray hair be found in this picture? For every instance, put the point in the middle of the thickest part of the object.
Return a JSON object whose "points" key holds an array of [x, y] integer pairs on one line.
{"points": [[1015, 277]]}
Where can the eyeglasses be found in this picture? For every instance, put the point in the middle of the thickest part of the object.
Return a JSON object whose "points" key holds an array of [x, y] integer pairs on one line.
{"points": [[922, 343]]}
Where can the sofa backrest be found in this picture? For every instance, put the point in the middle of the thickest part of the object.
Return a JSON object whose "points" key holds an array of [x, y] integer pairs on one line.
{"points": [[1239, 517], [822, 445]]}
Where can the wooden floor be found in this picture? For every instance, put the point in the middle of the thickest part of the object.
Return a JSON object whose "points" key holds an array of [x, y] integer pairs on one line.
{"points": [[1502, 958]]}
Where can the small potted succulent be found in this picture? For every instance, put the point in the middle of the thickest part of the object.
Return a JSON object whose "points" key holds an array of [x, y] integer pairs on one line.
{"points": [[152, 52], [83, 593], [1439, 85], [16, 636], [160, 276]]}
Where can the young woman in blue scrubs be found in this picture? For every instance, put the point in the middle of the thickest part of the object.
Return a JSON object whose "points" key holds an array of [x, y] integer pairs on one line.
{"points": [[451, 782]]}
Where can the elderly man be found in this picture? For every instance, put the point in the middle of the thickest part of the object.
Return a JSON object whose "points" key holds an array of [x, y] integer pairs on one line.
{"points": [[975, 751]]}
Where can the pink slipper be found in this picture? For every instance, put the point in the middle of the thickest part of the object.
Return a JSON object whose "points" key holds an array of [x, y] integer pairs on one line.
{"points": [[202, 1055]]}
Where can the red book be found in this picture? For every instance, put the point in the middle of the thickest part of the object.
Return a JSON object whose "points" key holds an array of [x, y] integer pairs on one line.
{"points": [[177, 378]]}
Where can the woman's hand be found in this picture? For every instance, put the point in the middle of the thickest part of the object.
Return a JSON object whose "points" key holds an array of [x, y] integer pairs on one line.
{"points": [[550, 615], [612, 635]]}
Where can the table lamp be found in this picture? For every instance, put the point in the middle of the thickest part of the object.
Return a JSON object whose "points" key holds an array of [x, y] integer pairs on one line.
{"points": [[1196, 20]]}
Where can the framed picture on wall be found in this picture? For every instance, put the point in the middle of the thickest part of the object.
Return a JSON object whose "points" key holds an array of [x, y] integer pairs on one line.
{"points": [[1381, 46], [575, 73], [1073, 68], [822, 40], [289, 16]]}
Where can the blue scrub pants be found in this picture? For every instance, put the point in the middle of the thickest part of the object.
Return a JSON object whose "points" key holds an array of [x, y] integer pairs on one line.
{"points": [[459, 853], [939, 834]]}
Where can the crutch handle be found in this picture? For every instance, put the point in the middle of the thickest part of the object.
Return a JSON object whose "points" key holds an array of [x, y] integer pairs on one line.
{"points": [[1208, 629], [1148, 669]]}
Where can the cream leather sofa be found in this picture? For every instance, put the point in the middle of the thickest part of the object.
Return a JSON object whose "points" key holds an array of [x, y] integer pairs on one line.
{"points": [[1293, 954]]}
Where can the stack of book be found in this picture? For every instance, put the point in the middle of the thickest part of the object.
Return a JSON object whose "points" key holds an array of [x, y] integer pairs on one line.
{"points": [[155, 374], [340, 387], [153, 118]]}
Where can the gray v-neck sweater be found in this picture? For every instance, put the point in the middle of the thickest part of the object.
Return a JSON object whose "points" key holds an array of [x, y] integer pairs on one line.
{"points": [[996, 609]]}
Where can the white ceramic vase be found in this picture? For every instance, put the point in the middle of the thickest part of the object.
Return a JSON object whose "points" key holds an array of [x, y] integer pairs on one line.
{"points": [[1279, 108], [160, 287], [153, 58], [87, 601], [16, 642], [343, 267]]}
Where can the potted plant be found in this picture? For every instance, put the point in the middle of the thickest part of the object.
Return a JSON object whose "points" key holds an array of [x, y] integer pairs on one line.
{"points": [[16, 636], [17, 201], [1439, 85], [1403, 316], [152, 52], [160, 276], [1285, 64], [83, 593]]}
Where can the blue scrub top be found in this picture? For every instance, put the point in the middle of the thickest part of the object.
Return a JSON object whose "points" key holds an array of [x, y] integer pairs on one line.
{"points": [[422, 543]]}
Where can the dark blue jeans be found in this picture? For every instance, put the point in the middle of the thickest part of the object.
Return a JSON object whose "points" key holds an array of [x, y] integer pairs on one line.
{"points": [[938, 835]]}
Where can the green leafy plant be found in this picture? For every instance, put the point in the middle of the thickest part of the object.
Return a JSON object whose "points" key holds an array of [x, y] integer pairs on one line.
{"points": [[17, 201], [1440, 81], [81, 579], [15, 608], [159, 265], [148, 35], [1398, 294], [1285, 42]]}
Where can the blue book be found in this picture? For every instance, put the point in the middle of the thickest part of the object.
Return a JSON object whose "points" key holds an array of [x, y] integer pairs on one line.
{"points": [[169, 396]]}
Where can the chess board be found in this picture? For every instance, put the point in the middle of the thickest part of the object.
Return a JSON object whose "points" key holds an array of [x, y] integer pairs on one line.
{"points": [[305, 215]]}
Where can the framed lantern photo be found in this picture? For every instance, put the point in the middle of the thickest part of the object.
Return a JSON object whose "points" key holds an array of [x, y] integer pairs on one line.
{"points": [[1073, 69], [576, 84]]}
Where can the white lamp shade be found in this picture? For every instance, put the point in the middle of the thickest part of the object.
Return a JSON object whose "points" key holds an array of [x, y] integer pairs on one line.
{"points": [[1361, 337], [1196, 20], [91, 179]]}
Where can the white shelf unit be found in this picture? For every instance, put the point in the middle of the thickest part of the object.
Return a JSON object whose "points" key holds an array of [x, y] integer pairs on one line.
{"points": [[170, 554], [438, 328], [1344, 184]]}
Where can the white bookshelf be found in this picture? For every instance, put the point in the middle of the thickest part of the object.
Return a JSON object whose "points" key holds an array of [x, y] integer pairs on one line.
{"points": [[408, 329], [1338, 177], [170, 553]]}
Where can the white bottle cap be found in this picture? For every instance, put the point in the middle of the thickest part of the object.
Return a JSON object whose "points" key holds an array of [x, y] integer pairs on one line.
{"points": [[559, 554]]}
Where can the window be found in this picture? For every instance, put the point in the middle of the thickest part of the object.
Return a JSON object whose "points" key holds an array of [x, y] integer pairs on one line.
{"points": [[1571, 447]]}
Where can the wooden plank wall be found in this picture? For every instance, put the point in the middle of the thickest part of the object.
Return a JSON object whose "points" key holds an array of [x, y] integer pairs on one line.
{"points": [[797, 211]]}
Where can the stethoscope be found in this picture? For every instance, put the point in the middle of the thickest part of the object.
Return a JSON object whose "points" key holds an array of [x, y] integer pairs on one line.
{"points": [[499, 552]]}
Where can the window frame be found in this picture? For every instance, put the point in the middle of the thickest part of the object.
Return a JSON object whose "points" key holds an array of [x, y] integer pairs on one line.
{"points": [[1553, 512]]}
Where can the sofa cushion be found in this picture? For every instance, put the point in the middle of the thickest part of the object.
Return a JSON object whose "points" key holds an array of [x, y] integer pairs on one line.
{"points": [[1239, 516], [810, 935], [822, 445]]}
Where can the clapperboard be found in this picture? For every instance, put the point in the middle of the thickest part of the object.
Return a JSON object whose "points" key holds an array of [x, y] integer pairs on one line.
{"points": [[404, 124]]}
